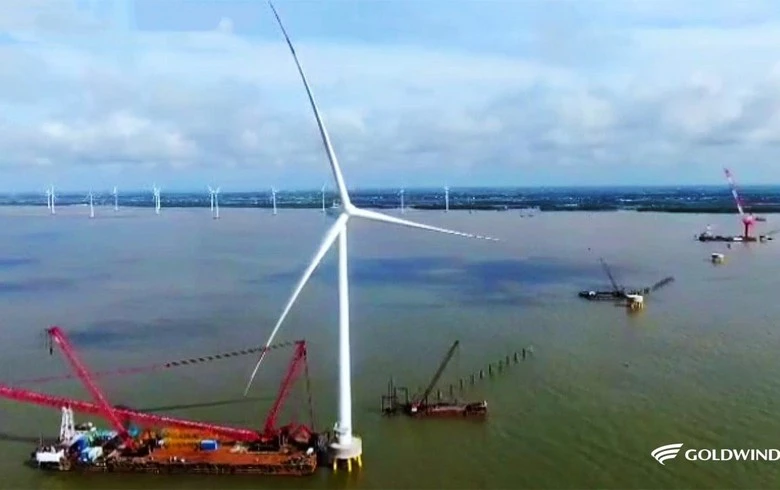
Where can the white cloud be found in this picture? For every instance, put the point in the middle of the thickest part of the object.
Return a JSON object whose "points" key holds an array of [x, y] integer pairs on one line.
{"points": [[198, 101]]}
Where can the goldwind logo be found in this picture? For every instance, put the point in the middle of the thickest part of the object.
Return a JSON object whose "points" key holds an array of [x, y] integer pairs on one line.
{"points": [[670, 451], [667, 452]]}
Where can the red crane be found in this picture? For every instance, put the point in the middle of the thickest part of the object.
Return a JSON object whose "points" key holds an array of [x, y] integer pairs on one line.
{"points": [[115, 415], [293, 371], [58, 402], [58, 337], [748, 220]]}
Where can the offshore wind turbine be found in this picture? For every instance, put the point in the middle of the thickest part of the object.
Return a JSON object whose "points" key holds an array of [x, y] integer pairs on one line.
{"points": [[401, 193], [52, 199], [323, 197], [347, 447], [115, 193], [91, 201], [214, 202], [156, 197], [273, 198], [48, 199], [446, 199]]}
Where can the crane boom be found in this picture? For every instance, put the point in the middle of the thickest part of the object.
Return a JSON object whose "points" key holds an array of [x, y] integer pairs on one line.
{"points": [[293, 371], [58, 336], [118, 416], [747, 219], [733, 186], [439, 372], [58, 402], [615, 287]]}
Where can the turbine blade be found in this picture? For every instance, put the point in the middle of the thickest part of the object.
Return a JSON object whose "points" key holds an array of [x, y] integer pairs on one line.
{"points": [[334, 162], [327, 242], [384, 218]]}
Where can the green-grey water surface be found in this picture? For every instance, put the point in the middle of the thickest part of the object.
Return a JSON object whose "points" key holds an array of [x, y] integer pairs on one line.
{"points": [[603, 388]]}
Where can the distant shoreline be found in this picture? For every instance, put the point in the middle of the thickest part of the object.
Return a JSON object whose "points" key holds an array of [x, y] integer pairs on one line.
{"points": [[497, 207], [715, 200]]}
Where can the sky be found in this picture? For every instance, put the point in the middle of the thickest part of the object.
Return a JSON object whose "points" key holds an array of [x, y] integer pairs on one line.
{"points": [[187, 93]]}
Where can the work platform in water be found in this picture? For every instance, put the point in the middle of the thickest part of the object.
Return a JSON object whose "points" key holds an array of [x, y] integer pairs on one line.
{"points": [[422, 406], [748, 221], [148, 443], [708, 236], [632, 298]]}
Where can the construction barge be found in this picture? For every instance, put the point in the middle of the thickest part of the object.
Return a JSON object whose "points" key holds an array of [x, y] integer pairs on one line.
{"points": [[143, 442], [611, 295], [633, 298], [709, 237], [748, 221], [294, 452], [420, 406]]}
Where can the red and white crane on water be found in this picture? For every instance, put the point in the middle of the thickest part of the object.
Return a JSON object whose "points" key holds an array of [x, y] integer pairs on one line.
{"points": [[748, 219], [118, 417]]}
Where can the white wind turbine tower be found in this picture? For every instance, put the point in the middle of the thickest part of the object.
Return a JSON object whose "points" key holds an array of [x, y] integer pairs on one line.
{"points": [[52, 198], [446, 199], [403, 209], [48, 199], [115, 193], [214, 202], [323, 197], [91, 204], [156, 197], [273, 198], [346, 447]]}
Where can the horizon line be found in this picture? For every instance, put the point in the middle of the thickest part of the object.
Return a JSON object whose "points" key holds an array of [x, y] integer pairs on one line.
{"points": [[183, 190]]}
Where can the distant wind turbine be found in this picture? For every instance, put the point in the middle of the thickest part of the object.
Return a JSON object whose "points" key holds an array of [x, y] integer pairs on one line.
{"points": [[346, 447], [115, 193], [446, 199], [323, 198], [52, 199], [90, 199], [403, 209], [273, 198], [156, 197], [214, 202]]}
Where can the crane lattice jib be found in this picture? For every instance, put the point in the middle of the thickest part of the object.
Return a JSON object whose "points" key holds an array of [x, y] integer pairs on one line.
{"points": [[59, 338], [615, 286], [160, 421], [293, 371], [733, 186], [438, 373], [113, 414]]}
